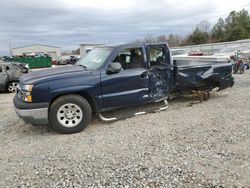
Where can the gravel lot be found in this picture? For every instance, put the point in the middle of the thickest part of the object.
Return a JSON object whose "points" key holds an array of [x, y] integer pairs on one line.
{"points": [[203, 145]]}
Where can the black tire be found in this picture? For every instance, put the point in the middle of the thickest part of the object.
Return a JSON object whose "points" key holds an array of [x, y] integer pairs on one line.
{"points": [[11, 87], [63, 101]]}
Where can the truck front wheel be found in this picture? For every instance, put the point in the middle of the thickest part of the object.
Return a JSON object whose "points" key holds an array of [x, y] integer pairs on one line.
{"points": [[70, 114]]}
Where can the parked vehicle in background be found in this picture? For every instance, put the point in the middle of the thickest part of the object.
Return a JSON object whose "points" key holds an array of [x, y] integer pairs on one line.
{"points": [[9, 75], [72, 60], [55, 62], [63, 61], [195, 53], [66, 60], [178, 52], [111, 77]]}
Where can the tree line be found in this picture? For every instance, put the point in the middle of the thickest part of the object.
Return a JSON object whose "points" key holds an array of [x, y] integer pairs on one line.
{"points": [[235, 26]]}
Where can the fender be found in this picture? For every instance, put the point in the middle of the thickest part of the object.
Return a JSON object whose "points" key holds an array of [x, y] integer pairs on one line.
{"points": [[85, 91]]}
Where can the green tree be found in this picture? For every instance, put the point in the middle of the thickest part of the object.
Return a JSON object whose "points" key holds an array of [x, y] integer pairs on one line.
{"points": [[218, 31], [235, 27], [244, 22], [198, 37]]}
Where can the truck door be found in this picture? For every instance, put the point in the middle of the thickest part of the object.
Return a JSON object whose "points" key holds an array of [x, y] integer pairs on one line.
{"points": [[160, 68], [3, 77], [130, 85]]}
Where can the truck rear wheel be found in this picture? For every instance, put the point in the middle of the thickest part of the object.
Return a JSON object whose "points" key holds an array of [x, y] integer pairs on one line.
{"points": [[70, 114]]}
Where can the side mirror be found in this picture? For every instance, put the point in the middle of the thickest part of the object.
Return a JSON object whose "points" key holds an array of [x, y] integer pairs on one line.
{"points": [[114, 67]]}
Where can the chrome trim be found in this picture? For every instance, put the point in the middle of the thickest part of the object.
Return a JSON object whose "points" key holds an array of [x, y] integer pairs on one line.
{"points": [[137, 113], [107, 119]]}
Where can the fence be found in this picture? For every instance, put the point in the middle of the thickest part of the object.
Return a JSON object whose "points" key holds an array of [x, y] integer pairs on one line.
{"points": [[212, 48]]}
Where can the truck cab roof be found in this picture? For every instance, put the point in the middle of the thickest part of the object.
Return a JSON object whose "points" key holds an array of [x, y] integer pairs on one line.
{"points": [[120, 45]]}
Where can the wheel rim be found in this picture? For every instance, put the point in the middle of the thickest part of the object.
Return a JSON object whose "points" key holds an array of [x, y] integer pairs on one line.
{"points": [[12, 87], [69, 115]]}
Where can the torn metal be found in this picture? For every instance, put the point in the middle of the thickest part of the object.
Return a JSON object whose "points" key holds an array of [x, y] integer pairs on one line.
{"points": [[159, 87], [203, 77]]}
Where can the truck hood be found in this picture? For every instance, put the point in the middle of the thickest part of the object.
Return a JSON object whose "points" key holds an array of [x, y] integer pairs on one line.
{"points": [[52, 73]]}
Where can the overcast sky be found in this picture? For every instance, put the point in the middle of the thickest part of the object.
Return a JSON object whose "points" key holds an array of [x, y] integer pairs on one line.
{"points": [[66, 23]]}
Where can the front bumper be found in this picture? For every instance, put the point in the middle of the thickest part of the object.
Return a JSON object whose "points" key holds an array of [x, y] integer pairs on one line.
{"points": [[33, 113], [35, 116]]}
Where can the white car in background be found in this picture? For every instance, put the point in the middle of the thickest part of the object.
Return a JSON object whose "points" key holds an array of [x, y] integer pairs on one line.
{"points": [[243, 52], [178, 52]]}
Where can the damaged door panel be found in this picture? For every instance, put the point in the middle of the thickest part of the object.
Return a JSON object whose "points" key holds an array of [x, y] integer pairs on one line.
{"points": [[159, 72], [159, 87]]}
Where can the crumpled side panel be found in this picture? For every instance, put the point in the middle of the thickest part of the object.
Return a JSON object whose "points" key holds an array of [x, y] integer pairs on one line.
{"points": [[204, 77], [159, 85]]}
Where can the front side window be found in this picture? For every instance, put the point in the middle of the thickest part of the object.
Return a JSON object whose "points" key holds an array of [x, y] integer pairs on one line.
{"points": [[130, 58], [95, 58]]}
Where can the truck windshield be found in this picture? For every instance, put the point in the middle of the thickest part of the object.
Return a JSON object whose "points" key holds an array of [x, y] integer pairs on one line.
{"points": [[95, 58]]}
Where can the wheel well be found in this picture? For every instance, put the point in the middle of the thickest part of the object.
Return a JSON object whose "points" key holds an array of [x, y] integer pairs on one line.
{"points": [[12, 81], [90, 99], [84, 95]]}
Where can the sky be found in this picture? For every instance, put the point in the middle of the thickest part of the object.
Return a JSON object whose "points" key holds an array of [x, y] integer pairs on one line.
{"points": [[67, 23]]}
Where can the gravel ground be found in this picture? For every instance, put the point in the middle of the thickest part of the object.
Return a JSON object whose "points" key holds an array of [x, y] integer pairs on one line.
{"points": [[203, 145]]}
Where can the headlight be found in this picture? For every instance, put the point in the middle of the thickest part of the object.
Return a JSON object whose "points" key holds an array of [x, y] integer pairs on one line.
{"points": [[27, 88], [26, 96]]}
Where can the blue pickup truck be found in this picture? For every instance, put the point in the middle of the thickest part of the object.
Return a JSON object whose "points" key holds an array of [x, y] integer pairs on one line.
{"points": [[111, 77]]}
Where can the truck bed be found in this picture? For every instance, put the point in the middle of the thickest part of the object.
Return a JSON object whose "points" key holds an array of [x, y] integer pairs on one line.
{"points": [[202, 73], [198, 60]]}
